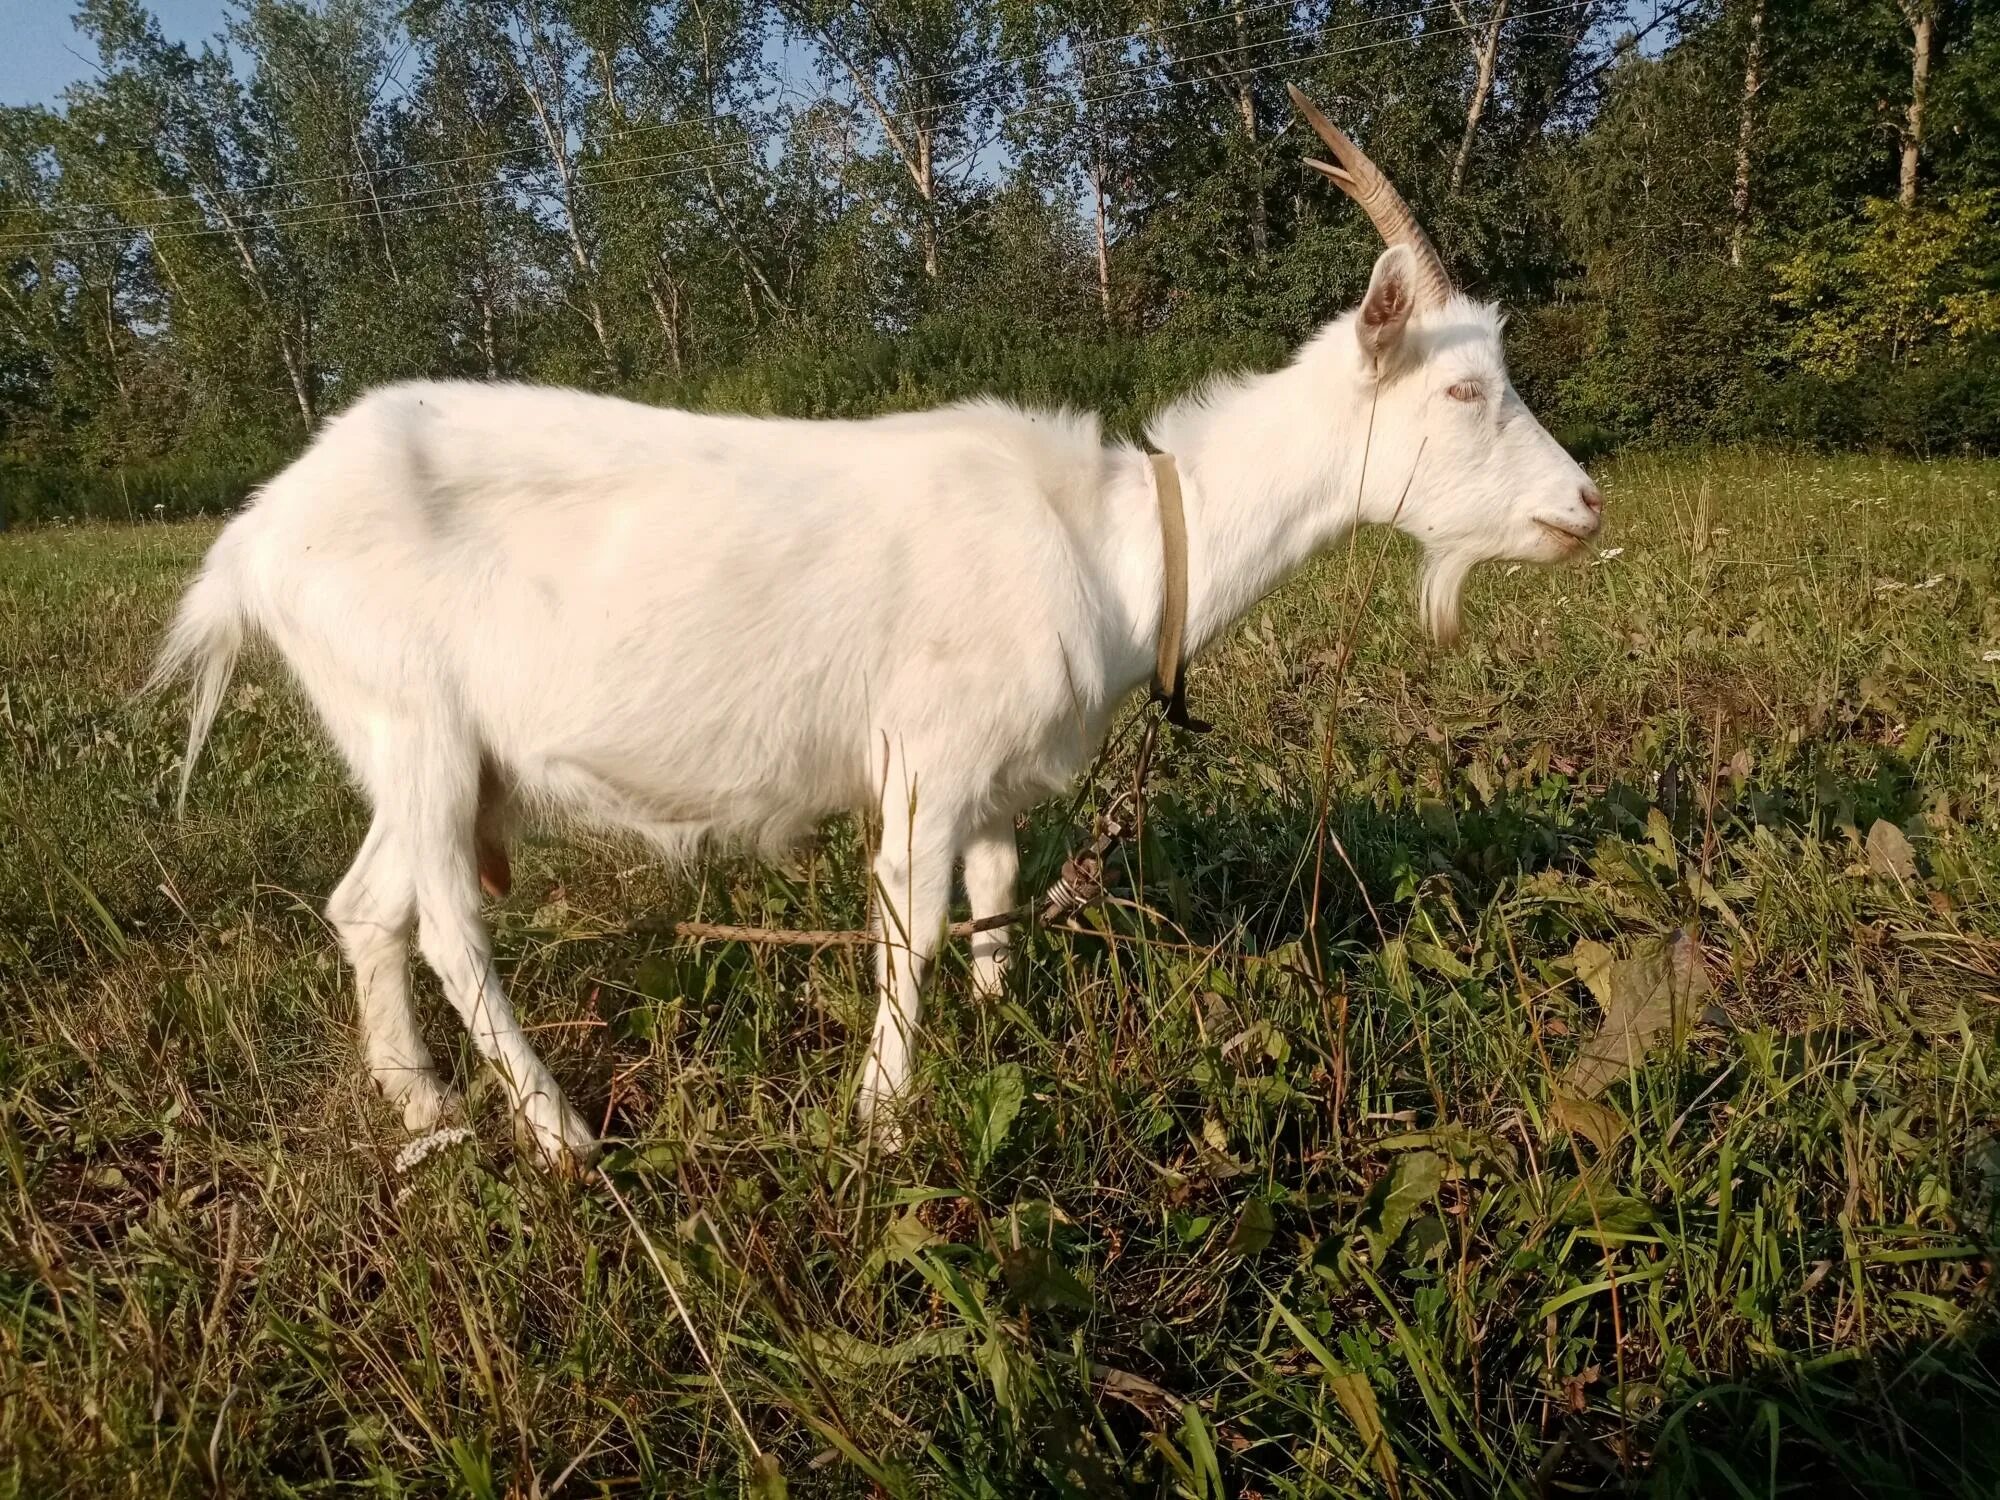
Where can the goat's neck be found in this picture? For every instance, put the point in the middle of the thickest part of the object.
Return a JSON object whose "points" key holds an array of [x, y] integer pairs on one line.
{"points": [[1271, 472]]}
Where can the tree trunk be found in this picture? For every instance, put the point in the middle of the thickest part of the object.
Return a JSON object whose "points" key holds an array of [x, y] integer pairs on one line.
{"points": [[550, 123], [1486, 55], [1246, 108], [296, 368], [1098, 223], [486, 341], [301, 389], [1746, 127], [914, 153], [927, 189], [1921, 15], [367, 175], [111, 337], [665, 295]]}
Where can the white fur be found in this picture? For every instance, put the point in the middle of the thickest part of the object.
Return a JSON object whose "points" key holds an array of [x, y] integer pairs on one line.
{"points": [[717, 627]]}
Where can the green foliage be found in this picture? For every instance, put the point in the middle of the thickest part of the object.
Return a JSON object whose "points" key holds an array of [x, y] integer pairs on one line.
{"points": [[1898, 286], [968, 356], [158, 490], [207, 249]]}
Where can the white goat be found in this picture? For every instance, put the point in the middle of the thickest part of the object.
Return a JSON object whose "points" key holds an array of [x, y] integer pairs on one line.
{"points": [[715, 627]]}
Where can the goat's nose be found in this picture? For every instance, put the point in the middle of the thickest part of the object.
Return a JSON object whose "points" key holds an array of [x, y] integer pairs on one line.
{"points": [[1593, 498]]}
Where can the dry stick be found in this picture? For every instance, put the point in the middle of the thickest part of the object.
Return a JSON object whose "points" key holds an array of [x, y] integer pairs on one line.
{"points": [[1078, 886], [808, 937]]}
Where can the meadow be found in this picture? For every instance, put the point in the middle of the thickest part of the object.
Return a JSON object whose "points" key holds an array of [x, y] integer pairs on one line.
{"points": [[1564, 1063]]}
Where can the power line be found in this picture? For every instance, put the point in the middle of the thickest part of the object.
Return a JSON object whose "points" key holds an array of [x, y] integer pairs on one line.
{"points": [[364, 173], [303, 215], [346, 213], [284, 214], [500, 153], [359, 173], [1376, 46]]}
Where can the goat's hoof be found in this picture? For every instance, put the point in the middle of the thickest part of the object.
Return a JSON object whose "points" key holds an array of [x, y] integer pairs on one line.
{"points": [[881, 1116], [886, 1131], [424, 1099], [562, 1143], [426, 1104]]}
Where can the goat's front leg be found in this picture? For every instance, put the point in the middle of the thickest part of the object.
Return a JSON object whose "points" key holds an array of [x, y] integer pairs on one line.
{"points": [[912, 879], [992, 863]]}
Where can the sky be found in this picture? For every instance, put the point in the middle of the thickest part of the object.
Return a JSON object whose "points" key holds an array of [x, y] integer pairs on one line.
{"points": [[41, 54]]}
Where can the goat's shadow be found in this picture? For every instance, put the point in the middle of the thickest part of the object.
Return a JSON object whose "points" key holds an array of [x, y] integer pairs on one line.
{"points": [[1238, 865], [1914, 1418]]}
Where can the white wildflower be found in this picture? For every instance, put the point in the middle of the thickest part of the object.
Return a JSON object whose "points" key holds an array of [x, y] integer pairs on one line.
{"points": [[427, 1146]]}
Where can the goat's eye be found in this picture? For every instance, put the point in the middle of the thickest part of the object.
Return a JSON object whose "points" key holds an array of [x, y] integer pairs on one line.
{"points": [[1466, 390]]}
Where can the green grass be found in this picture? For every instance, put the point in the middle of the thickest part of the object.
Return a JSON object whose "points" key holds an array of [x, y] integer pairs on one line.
{"points": [[1252, 1193]]}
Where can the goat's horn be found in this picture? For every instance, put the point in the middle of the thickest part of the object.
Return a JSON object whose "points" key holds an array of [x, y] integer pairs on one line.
{"points": [[1363, 181]]}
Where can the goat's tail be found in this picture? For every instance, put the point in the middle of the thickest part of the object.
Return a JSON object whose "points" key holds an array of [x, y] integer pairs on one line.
{"points": [[207, 634]]}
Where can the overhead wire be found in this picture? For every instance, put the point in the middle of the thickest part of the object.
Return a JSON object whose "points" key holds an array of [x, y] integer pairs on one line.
{"points": [[362, 208], [360, 173]]}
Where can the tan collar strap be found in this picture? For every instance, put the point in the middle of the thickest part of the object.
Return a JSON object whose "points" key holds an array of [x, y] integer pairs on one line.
{"points": [[1169, 664]]}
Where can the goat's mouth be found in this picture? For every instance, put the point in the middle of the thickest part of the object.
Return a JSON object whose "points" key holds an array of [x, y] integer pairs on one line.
{"points": [[1569, 540]]}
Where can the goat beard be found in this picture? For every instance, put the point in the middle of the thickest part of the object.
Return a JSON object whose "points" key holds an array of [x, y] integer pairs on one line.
{"points": [[1440, 592]]}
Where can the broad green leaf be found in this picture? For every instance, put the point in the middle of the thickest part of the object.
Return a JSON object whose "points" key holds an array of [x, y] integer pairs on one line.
{"points": [[1661, 834], [1035, 1278], [834, 1346], [996, 1102], [1356, 1397], [1595, 1122], [902, 1242], [1201, 1450], [767, 1480], [1658, 990], [1437, 960], [1254, 1227], [1411, 1184]]}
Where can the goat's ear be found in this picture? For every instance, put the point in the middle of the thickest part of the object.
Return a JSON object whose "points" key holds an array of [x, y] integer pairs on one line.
{"points": [[1392, 297]]}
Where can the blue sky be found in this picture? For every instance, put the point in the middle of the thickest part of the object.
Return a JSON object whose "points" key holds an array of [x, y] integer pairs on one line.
{"points": [[41, 54]]}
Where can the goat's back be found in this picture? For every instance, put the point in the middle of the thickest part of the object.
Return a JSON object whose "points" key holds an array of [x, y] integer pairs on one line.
{"points": [[687, 623]]}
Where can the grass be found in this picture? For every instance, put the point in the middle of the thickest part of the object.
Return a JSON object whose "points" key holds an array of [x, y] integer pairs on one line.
{"points": [[1252, 1193]]}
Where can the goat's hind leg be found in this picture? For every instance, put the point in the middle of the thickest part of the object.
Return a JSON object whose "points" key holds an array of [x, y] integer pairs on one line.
{"points": [[439, 805], [374, 909]]}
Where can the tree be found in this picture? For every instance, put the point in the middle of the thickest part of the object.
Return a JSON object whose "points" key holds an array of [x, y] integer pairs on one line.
{"points": [[208, 246], [1746, 126], [1484, 39], [1899, 284], [1921, 17], [174, 137], [930, 77]]}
